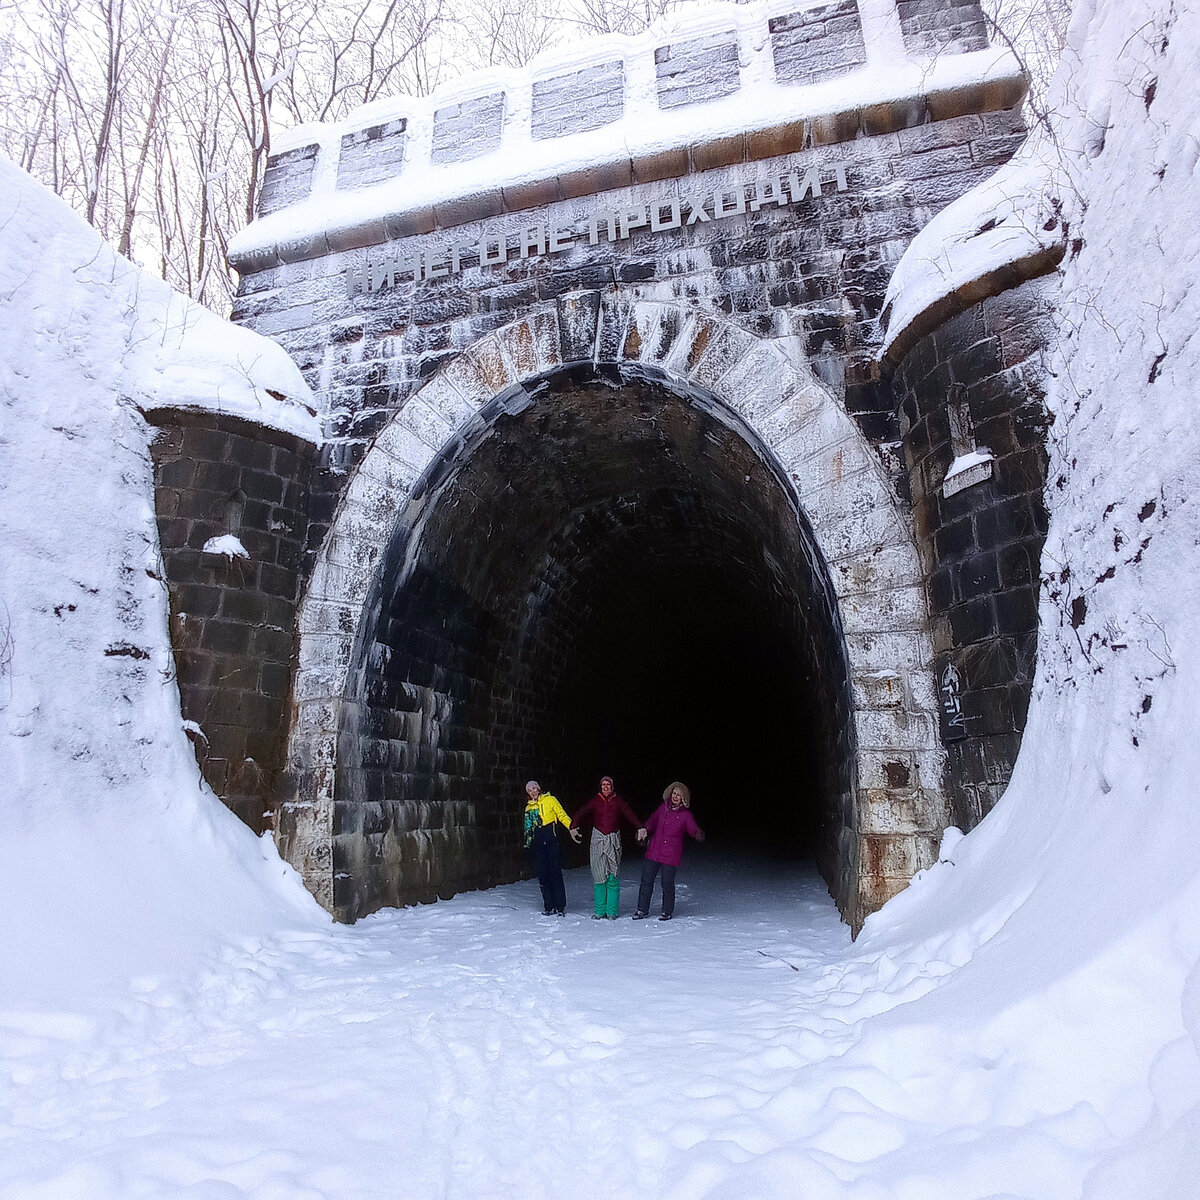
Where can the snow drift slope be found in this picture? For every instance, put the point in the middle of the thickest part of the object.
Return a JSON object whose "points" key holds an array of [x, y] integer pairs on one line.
{"points": [[112, 848], [1096, 846]]}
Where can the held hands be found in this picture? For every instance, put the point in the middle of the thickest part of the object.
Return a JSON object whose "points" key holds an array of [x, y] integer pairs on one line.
{"points": [[576, 836], [642, 835]]}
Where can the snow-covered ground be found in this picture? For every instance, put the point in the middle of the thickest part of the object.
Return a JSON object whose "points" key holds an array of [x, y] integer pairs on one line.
{"points": [[178, 1019], [477, 1048]]}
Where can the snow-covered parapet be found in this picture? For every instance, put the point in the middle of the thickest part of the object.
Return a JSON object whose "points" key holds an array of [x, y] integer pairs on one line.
{"points": [[999, 234], [707, 87], [159, 349], [196, 360]]}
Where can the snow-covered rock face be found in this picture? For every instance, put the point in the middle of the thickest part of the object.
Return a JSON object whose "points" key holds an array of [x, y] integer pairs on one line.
{"points": [[102, 806]]}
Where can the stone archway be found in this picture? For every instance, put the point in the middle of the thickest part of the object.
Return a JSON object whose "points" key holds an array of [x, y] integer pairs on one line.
{"points": [[894, 807]]}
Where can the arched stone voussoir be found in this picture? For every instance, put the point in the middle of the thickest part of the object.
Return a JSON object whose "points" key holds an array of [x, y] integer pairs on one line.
{"points": [[420, 418], [723, 351], [656, 335], [480, 372], [761, 381], [532, 345]]}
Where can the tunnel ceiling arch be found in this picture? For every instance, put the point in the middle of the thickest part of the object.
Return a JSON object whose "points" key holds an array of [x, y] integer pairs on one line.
{"points": [[743, 435]]}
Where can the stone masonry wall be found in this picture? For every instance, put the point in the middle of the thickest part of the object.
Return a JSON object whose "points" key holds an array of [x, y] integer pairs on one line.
{"points": [[977, 382], [815, 270], [233, 619]]}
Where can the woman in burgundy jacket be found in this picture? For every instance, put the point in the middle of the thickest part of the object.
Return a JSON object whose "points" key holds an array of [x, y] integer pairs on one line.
{"points": [[667, 826], [607, 812]]}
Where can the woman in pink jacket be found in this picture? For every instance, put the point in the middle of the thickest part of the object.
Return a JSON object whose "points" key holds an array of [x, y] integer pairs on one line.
{"points": [[667, 826]]}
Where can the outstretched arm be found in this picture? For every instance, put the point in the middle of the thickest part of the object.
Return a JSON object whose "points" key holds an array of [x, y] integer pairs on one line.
{"points": [[583, 814], [630, 817]]}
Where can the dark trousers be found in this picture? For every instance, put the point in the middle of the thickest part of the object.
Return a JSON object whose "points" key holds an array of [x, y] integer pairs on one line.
{"points": [[650, 869], [548, 859]]}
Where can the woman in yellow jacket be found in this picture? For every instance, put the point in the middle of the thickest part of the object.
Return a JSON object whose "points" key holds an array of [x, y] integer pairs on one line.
{"points": [[542, 812]]}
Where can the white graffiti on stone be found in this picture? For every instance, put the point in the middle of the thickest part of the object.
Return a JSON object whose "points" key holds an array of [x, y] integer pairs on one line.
{"points": [[952, 710]]}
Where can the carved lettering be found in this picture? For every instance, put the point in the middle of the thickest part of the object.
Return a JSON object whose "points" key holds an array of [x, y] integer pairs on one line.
{"points": [[673, 221], [387, 265]]}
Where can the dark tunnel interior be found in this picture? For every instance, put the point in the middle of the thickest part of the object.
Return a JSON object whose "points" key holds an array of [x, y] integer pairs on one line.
{"points": [[611, 581]]}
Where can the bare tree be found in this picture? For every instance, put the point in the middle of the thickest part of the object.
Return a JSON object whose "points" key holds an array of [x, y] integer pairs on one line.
{"points": [[1036, 32]]}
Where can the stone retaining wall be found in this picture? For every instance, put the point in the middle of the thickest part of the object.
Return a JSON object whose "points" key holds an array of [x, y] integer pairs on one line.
{"points": [[978, 382], [233, 619]]}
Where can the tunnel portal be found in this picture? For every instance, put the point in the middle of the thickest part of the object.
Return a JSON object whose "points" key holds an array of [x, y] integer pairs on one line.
{"points": [[618, 470], [612, 581]]}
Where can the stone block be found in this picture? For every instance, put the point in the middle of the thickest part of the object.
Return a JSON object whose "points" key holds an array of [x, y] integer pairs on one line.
{"points": [[369, 156], [468, 129], [287, 179], [895, 857], [884, 611], [405, 447], [718, 152], [869, 652], [817, 43], [578, 315], [533, 194], [603, 176], [760, 382], [519, 347], [481, 205], [697, 70], [479, 374], [430, 426], [889, 813], [447, 403], [878, 689], [578, 101], [721, 354], [805, 438], [668, 163], [893, 729], [883, 770]]}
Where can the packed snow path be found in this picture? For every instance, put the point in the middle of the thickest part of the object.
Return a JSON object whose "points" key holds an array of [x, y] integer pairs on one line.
{"points": [[468, 1048]]}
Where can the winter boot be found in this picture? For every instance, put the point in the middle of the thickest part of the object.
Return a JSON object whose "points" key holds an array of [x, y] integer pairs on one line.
{"points": [[600, 896], [612, 888]]}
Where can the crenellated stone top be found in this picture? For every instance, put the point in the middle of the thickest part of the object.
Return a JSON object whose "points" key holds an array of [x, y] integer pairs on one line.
{"points": [[710, 87]]}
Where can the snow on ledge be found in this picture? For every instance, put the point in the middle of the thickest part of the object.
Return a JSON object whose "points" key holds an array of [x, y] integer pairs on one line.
{"points": [[422, 196], [201, 363], [965, 471], [999, 234], [228, 545]]}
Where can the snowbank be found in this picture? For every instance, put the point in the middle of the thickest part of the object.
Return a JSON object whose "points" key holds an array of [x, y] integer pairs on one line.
{"points": [[1023, 1022], [1086, 878], [114, 857]]}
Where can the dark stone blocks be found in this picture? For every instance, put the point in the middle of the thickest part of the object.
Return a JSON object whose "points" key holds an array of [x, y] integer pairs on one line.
{"points": [[232, 620], [973, 384]]}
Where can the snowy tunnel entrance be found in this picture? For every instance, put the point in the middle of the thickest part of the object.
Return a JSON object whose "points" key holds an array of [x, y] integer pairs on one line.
{"points": [[612, 580]]}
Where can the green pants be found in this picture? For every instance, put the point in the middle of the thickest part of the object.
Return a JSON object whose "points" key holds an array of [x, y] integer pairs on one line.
{"points": [[608, 896]]}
